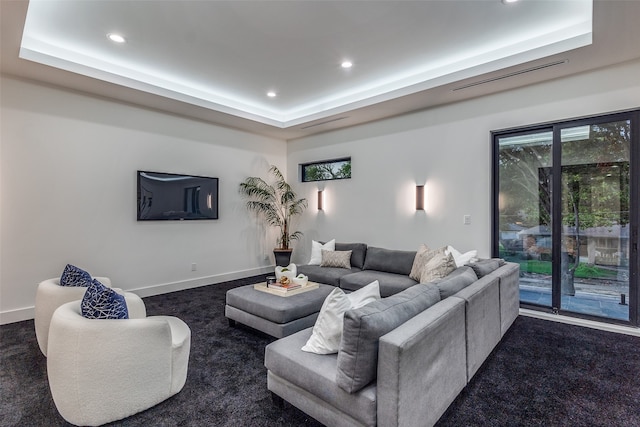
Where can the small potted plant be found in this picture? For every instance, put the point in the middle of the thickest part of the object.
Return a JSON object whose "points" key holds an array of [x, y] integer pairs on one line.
{"points": [[277, 204]]}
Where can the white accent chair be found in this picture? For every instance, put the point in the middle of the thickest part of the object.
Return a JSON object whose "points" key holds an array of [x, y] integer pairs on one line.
{"points": [[106, 370], [49, 296]]}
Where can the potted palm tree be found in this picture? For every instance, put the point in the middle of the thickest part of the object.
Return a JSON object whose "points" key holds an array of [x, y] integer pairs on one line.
{"points": [[277, 204]]}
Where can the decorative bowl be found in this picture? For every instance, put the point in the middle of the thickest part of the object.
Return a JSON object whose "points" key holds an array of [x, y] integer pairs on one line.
{"points": [[301, 279], [289, 271]]}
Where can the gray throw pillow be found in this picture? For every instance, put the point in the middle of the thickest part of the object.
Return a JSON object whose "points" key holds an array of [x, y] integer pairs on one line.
{"points": [[363, 327], [459, 279], [485, 266]]}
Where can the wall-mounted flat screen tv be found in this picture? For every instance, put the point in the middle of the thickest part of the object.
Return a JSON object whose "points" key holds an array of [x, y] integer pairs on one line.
{"points": [[168, 196]]}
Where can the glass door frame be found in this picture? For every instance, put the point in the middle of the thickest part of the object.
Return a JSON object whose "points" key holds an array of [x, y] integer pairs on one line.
{"points": [[556, 223]]}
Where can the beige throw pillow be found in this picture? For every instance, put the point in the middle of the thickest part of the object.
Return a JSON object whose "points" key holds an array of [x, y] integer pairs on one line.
{"points": [[423, 255], [437, 267], [340, 259]]}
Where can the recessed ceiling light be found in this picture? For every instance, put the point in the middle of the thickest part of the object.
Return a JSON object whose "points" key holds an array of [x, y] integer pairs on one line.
{"points": [[508, 1], [116, 38], [346, 64], [271, 94]]}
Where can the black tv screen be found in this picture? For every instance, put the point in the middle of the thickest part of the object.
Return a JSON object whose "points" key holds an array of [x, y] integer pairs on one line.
{"points": [[167, 196]]}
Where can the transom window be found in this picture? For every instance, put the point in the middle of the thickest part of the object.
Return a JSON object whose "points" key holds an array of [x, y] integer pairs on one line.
{"points": [[326, 170]]}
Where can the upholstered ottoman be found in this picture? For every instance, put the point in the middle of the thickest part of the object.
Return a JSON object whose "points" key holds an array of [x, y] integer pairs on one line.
{"points": [[275, 315]]}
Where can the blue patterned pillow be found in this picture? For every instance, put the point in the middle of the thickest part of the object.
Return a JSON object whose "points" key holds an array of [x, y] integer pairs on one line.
{"points": [[74, 276], [100, 302]]}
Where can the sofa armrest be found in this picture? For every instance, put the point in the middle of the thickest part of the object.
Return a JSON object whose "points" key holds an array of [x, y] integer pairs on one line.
{"points": [[422, 366], [509, 275], [482, 309], [135, 306]]}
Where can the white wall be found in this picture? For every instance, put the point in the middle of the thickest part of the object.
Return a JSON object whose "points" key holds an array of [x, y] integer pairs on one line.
{"points": [[67, 182], [68, 195], [449, 149]]}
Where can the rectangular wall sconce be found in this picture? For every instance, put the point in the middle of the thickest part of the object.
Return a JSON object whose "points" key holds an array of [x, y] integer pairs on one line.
{"points": [[419, 197], [320, 200]]}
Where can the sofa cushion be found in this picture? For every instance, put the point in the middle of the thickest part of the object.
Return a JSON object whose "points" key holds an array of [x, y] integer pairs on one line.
{"points": [[327, 330], [100, 302], [439, 266], [389, 260], [74, 276], [327, 275], [390, 283], [457, 280], [316, 250], [485, 266], [336, 259], [363, 327]]}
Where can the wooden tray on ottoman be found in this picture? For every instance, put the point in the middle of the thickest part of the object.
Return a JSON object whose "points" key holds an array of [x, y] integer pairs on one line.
{"points": [[283, 292]]}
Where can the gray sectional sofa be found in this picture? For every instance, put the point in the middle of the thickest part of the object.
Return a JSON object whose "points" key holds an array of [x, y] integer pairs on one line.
{"points": [[404, 358]]}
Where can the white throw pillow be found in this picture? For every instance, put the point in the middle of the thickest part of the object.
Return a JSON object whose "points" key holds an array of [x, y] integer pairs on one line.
{"points": [[316, 251], [461, 258], [327, 332]]}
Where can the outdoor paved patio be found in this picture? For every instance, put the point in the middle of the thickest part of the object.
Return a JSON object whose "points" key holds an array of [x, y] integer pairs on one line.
{"points": [[583, 302]]}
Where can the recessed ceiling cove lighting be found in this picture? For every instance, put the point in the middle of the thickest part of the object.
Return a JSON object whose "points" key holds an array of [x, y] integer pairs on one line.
{"points": [[271, 94], [116, 38], [346, 64]]}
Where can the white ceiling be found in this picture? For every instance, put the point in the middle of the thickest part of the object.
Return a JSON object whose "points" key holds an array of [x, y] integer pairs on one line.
{"points": [[216, 60]]}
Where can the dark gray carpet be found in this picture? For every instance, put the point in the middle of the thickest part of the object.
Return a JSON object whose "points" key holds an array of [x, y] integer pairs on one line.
{"points": [[543, 373]]}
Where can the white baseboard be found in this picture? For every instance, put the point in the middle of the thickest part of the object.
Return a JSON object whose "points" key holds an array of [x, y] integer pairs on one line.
{"points": [[165, 288], [28, 313], [12, 316], [609, 327]]}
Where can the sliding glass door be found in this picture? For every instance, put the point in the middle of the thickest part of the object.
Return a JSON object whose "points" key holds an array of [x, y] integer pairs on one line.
{"points": [[566, 209], [524, 210]]}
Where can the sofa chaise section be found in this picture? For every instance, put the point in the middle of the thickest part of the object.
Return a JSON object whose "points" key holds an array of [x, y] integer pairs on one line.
{"points": [[308, 381], [421, 361]]}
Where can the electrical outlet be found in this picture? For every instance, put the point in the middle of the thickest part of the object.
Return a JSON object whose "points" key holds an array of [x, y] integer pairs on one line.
{"points": [[466, 220], [194, 266]]}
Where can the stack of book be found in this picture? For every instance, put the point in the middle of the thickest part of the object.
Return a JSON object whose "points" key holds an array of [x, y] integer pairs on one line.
{"points": [[285, 287], [285, 290]]}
